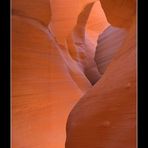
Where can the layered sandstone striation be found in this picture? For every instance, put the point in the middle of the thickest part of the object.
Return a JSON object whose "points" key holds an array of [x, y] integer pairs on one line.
{"points": [[109, 42], [46, 81], [105, 115], [57, 57], [42, 92]]}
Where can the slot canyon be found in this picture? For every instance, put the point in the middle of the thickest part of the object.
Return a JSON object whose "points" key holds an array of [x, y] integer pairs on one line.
{"points": [[73, 73]]}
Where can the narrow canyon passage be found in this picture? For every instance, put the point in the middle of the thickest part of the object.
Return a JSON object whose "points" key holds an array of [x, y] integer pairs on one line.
{"points": [[68, 79]]}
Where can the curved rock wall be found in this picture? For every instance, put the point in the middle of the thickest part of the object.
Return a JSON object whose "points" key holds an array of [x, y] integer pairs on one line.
{"points": [[79, 50], [53, 69], [106, 115], [79, 44], [35, 9], [46, 81], [64, 15], [109, 42]]}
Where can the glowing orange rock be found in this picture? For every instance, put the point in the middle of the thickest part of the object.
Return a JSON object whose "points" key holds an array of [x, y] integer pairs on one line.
{"points": [[53, 49], [106, 115], [119, 12], [46, 83], [35, 9]]}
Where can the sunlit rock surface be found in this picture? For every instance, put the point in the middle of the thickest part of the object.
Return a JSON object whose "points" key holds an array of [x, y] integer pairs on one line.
{"points": [[65, 14], [106, 115], [46, 83], [55, 64]]}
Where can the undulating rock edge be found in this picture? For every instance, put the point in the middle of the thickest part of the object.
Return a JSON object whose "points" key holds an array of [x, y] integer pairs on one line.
{"points": [[73, 74], [105, 117]]}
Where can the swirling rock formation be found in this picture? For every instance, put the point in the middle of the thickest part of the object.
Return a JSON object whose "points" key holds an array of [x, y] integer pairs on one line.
{"points": [[80, 46], [46, 81], [106, 115], [53, 66], [65, 15], [109, 42]]}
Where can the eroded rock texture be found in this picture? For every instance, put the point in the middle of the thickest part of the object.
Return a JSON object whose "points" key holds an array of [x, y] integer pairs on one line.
{"points": [[46, 81], [106, 115], [54, 64], [43, 93], [109, 42]]}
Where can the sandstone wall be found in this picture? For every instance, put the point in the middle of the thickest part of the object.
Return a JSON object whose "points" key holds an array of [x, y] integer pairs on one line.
{"points": [[54, 63], [106, 115]]}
